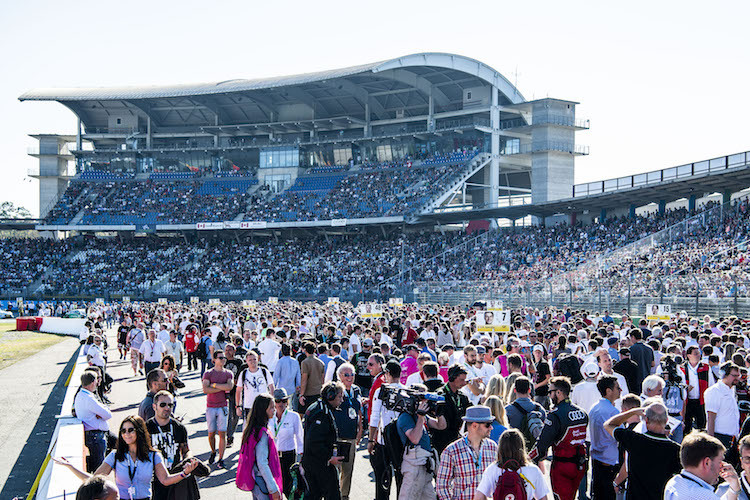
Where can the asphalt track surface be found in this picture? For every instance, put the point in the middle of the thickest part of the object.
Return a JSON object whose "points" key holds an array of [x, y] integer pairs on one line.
{"points": [[32, 394], [128, 391]]}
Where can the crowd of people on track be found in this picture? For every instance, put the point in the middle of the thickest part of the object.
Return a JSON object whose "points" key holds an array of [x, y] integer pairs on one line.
{"points": [[556, 403]]}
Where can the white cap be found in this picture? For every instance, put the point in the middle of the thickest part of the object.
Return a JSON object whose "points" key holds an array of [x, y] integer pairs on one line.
{"points": [[590, 369]]}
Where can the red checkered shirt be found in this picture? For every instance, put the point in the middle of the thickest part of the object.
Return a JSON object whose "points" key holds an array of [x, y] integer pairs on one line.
{"points": [[458, 474]]}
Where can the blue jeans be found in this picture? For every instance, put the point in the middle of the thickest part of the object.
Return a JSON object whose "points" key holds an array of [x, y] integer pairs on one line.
{"points": [[96, 442], [206, 364]]}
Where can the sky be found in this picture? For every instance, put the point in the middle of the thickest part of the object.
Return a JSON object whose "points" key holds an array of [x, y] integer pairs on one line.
{"points": [[663, 82]]}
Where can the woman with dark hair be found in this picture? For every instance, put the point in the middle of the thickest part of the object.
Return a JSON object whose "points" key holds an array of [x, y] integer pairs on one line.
{"points": [[511, 457], [258, 466], [134, 461], [170, 368]]}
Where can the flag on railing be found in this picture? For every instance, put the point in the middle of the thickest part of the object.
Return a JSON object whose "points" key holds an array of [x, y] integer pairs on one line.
{"points": [[235, 167], [192, 168]]}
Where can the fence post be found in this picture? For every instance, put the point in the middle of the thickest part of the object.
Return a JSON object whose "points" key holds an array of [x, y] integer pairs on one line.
{"points": [[697, 292], [570, 292], [736, 292], [599, 292], [551, 295], [630, 281]]}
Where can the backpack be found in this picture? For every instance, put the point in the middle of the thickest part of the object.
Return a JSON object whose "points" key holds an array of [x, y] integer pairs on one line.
{"points": [[202, 349], [568, 366], [393, 445], [531, 425], [510, 486]]}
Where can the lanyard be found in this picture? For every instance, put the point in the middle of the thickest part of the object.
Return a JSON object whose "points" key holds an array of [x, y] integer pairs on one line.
{"points": [[475, 457], [277, 426], [693, 480], [132, 472]]}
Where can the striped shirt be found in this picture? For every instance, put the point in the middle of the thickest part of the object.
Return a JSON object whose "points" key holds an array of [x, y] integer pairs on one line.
{"points": [[460, 468]]}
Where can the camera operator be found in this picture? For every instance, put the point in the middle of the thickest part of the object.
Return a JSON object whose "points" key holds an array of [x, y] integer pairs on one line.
{"points": [[419, 463], [380, 416], [674, 395]]}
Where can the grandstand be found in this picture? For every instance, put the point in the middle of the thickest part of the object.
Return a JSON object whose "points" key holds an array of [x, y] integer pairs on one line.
{"points": [[364, 183]]}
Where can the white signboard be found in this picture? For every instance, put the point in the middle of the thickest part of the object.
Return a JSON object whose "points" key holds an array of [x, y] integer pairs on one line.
{"points": [[371, 310], [493, 321], [99, 300], [213, 302], [162, 301], [125, 298], [249, 303], [206, 226], [273, 300], [333, 300], [194, 300], [396, 301], [253, 224], [494, 305], [658, 312], [338, 222]]}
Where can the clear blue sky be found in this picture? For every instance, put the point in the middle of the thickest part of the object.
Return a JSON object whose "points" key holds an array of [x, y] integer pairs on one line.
{"points": [[663, 82]]}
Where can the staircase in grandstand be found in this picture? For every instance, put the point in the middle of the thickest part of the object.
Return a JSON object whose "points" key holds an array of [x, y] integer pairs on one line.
{"points": [[471, 167]]}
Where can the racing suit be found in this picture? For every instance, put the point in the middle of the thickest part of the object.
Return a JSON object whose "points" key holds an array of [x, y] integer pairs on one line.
{"points": [[565, 430]]}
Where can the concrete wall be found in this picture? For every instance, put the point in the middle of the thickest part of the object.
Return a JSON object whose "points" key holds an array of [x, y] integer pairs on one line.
{"points": [[551, 176], [127, 121], [476, 97], [290, 112]]}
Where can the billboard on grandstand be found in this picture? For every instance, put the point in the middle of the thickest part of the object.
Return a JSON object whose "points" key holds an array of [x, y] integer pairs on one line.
{"points": [[493, 321], [658, 312], [371, 310], [333, 300], [396, 301], [273, 300], [493, 305]]}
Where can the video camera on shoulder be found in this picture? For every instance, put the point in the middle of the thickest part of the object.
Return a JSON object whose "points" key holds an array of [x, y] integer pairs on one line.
{"points": [[670, 367], [402, 399]]}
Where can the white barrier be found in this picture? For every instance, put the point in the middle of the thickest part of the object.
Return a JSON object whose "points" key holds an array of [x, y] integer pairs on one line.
{"points": [[57, 482], [74, 327]]}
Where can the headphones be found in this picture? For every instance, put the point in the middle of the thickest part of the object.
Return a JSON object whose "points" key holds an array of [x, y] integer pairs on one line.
{"points": [[454, 372], [329, 392]]}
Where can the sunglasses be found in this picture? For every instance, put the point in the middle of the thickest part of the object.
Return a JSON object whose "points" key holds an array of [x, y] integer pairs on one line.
{"points": [[487, 424], [284, 401], [347, 374], [220, 357], [164, 405], [127, 430]]}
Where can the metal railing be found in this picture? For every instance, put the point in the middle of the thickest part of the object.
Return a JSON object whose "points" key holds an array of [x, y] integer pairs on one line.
{"points": [[713, 165]]}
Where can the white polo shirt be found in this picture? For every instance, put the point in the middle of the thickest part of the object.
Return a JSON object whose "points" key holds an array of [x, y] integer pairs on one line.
{"points": [[720, 399]]}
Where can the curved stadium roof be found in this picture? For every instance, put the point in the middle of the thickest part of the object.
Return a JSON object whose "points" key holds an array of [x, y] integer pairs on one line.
{"points": [[402, 84]]}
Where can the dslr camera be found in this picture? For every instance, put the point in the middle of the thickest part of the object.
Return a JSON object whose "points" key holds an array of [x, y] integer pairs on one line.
{"points": [[401, 399]]}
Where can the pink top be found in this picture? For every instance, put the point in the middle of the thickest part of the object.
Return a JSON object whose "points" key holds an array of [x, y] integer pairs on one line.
{"points": [[408, 366], [245, 479]]}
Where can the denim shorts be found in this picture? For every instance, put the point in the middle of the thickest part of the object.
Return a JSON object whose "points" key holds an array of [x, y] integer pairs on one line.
{"points": [[216, 418]]}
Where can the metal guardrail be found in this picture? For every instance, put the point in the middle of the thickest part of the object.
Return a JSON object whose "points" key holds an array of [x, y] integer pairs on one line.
{"points": [[713, 165]]}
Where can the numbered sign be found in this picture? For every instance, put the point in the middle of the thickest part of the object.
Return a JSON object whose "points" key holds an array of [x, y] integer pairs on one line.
{"points": [[493, 321], [658, 312]]}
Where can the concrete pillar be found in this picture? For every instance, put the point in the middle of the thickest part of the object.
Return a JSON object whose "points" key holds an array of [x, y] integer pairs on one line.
{"points": [[494, 190], [632, 211], [148, 132], [79, 142], [573, 218], [662, 206], [367, 119], [691, 202], [603, 215], [430, 112], [726, 197]]}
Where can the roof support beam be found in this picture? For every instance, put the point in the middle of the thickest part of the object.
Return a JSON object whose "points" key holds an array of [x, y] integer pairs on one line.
{"points": [[417, 82], [147, 109]]}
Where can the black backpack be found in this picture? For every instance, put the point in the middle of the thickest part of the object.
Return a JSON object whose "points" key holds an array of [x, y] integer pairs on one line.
{"points": [[531, 425], [393, 445], [568, 366], [201, 349]]}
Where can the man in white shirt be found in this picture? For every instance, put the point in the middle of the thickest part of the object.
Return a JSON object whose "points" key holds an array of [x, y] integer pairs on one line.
{"points": [[152, 351], [175, 348], [94, 416], [722, 412], [215, 329], [269, 349], [163, 334], [604, 360], [288, 435]]}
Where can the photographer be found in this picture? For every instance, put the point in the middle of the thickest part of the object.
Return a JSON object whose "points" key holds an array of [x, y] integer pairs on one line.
{"points": [[418, 463]]}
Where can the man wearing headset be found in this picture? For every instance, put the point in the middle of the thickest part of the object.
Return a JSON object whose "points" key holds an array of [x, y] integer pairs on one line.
{"points": [[319, 455]]}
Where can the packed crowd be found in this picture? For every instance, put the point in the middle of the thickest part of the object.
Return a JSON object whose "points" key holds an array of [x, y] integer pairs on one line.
{"points": [[553, 403], [709, 257]]}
